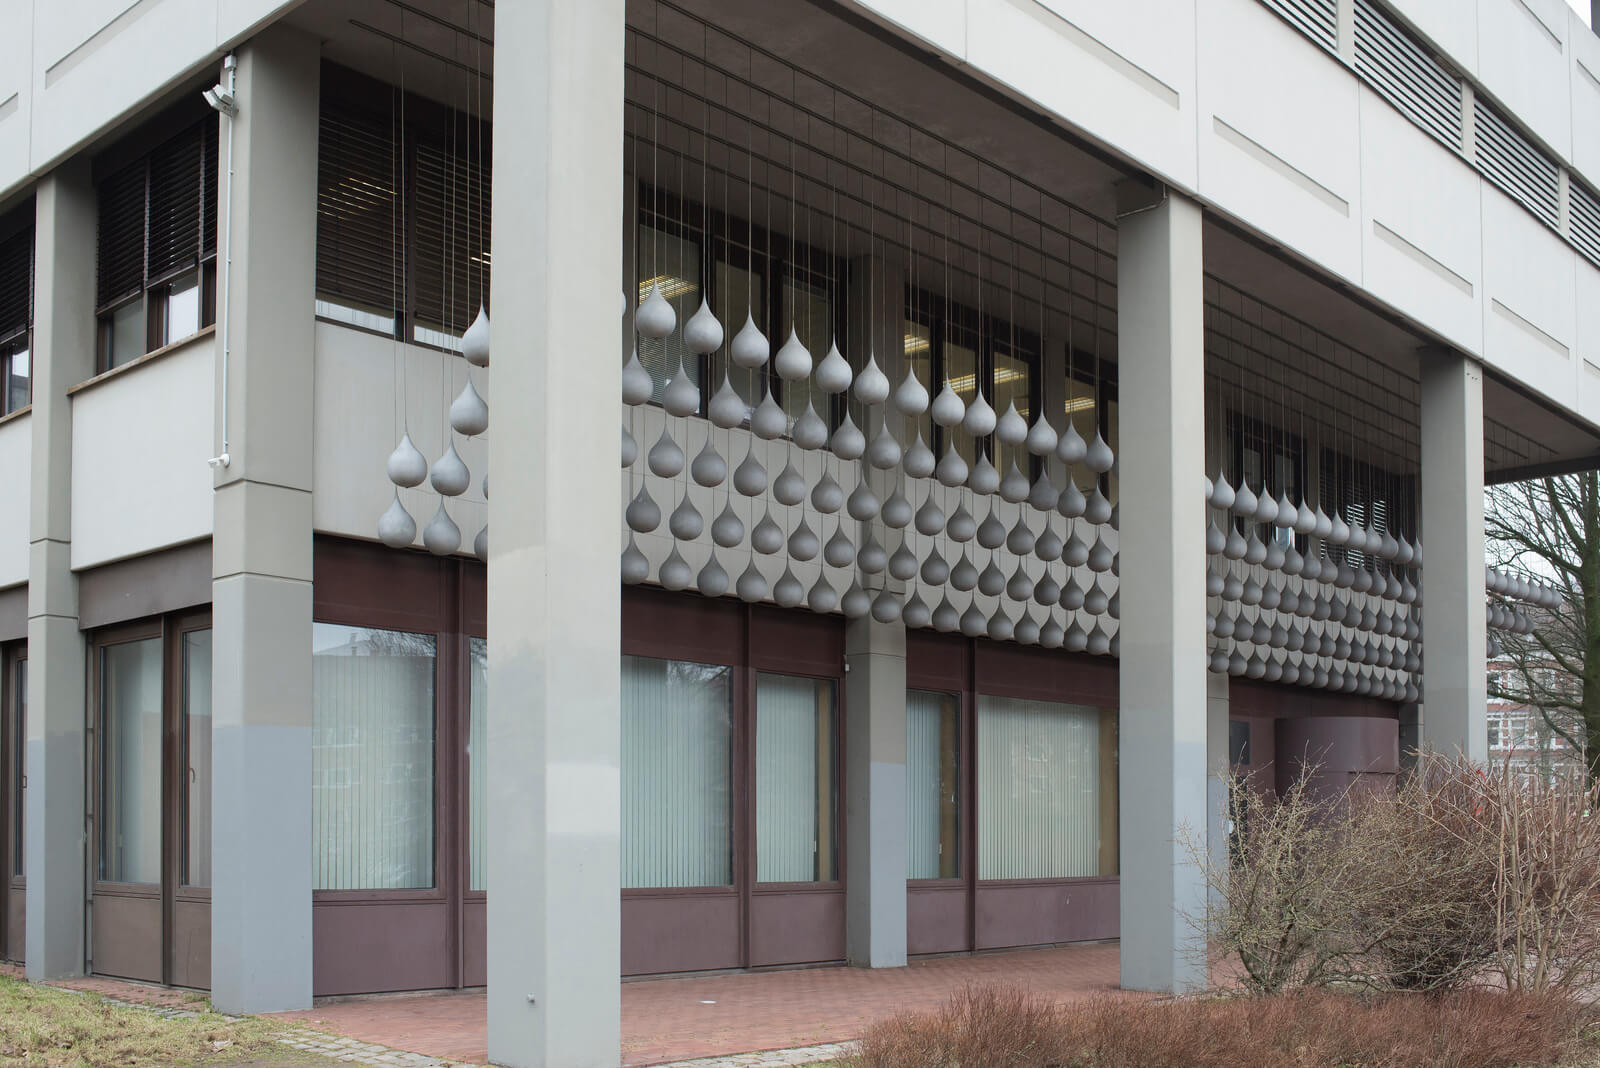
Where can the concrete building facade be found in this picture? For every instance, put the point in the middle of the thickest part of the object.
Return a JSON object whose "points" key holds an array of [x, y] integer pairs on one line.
{"points": [[1229, 307]]}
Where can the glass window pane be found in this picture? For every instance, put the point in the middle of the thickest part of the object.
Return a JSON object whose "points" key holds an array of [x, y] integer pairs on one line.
{"points": [[736, 294], [961, 371], [933, 803], [16, 367], [677, 734], [478, 766], [1081, 414], [1046, 790], [372, 761], [130, 797], [182, 307], [19, 733], [365, 319], [125, 339], [1011, 386], [673, 264], [795, 780], [812, 315], [197, 758]]}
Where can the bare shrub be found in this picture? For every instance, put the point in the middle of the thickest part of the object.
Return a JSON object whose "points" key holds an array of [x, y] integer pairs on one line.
{"points": [[981, 1027]]}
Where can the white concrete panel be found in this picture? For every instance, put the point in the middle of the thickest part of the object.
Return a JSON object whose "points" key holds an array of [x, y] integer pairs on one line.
{"points": [[1588, 304], [1121, 72], [1529, 318], [1585, 52], [1451, 25], [357, 424], [140, 442], [82, 48], [237, 18], [1279, 143], [1522, 62], [940, 23], [1421, 234], [16, 90], [16, 452]]}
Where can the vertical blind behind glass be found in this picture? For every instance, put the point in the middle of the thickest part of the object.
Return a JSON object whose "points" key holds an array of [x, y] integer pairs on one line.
{"points": [[1038, 793]]}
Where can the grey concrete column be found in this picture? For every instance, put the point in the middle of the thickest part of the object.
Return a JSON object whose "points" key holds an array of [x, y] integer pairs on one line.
{"points": [[554, 538], [1219, 766], [1455, 702], [63, 356], [1163, 668], [875, 793], [261, 946]]}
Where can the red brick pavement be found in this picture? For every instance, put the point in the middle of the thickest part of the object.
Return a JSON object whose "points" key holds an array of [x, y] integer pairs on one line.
{"points": [[676, 1019]]}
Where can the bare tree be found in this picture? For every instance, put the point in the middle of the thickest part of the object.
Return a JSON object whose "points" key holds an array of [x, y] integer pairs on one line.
{"points": [[1549, 529]]}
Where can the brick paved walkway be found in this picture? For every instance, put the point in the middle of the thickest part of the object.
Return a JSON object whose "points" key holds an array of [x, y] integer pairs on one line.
{"points": [[666, 1020]]}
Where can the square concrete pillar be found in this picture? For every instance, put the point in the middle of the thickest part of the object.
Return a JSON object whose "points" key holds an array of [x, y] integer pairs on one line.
{"points": [[1219, 767], [555, 607], [63, 356], [875, 793], [1454, 715], [261, 944], [1161, 371]]}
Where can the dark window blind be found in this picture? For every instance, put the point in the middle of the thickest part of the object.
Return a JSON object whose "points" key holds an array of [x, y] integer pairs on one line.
{"points": [[158, 214], [358, 212], [120, 263], [452, 232], [16, 282]]}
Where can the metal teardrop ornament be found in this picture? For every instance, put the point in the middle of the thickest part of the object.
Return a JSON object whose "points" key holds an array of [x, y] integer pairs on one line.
{"points": [[911, 397], [896, 511], [952, 469], [396, 528], [469, 415], [727, 409], [766, 537], [635, 568], [789, 487], [792, 362], [637, 385], [682, 394], [848, 443], [441, 536], [702, 334], [665, 457], [804, 543], [708, 467], [809, 431], [406, 466], [979, 419], [675, 573], [712, 581], [827, 496], [983, 479], [918, 461], [768, 421], [750, 478], [1014, 486], [884, 452], [685, 522], [727, 530], [450, 476], [475, 340], [833, 372], [642, 513], [630, 449], [788, 592], [948, 409], [654, 318], [962, 526], [839, 551], [749, 348], [871, 385]]}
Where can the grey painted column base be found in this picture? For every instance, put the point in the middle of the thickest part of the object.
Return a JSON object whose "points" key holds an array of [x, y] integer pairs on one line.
{"points": [[53, 837], [1219, 769], [875, 793]]}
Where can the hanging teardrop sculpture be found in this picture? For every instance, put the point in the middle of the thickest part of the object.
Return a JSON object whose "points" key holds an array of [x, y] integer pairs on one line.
{"points": [[654, 318], [872, 385], [675, 573], [833, 373], [682, 394], [1244, 501], [962, 526], [848, 442], [929, 518], [449, 476], [396, 528], [441, 536], [973, 622], [635, 568], [884, 452], [991, 532], [918, 461], [983, 479], [1011, 428], [727, 530], [789, 487], [935, 571], [1000, 628], [916, 612], [896, 511], [1020, 539], [1051, 635], [727, 409], [787, 591], [822, 598], [792, 362], [642, 513], [750, 478], [862, 503], [1097, 509], [685, 522], [804, 543], [840, 551], [911, 397], [991, 580], [749, 348], [809, 431], [702, 334], [469, 415], [480, 544], [665, 458], [637, 385], [856, 602], [768, 421], [1043, 494], [1099, 555], [827, 496], [1222, 492], [979, 419], [903, 563], [948, 410], [1305, 520], [1215, 541], [630, 449], [752, 585], [1075, 553], [964, 575], [766, 537], [475, 340], [708, 468], [712, 581], [1072, 502], [1014, 486], [1048, 546], [1098, 457], [1042, 437], [952, 469], [407, 466]]}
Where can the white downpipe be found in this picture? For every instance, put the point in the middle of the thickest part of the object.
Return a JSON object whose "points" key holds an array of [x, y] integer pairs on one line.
{"points": [[222, 98]]}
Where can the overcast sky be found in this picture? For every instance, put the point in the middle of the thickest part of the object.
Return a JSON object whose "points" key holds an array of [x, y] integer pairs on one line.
{"points": [[1582, 8]]}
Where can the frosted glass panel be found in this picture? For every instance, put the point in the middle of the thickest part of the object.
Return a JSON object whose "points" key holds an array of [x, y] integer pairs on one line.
{"points": [[795, 780], [1043, 786], [677, 730], [478, 767], [197, 757], [130, 722], [371, 759], [933, 805]]}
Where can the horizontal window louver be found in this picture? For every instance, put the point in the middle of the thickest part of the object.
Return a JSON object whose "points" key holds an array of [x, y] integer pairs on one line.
{"points": [[16, 282], [1584, 218], [452, 237], [1317, 19], [1508, 160], [358, 212], [120, 255], [1400, 69], [182, 197]]}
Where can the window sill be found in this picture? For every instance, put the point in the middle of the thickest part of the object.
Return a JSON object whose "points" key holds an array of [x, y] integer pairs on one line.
{"points": [[205, 333], [26, 409]]}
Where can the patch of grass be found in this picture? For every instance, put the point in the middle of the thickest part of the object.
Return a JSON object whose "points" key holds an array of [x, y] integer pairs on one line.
{"points": [[1000, 1028], [44, 1027]]}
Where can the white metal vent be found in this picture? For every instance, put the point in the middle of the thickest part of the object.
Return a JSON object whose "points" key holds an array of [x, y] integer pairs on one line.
{"points": [[1317, 19], [1406, 75], [1584, 218], [1507, 159]]}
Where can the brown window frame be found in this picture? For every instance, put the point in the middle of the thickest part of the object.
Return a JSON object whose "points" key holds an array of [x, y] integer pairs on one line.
{"points": [[17, 266]]}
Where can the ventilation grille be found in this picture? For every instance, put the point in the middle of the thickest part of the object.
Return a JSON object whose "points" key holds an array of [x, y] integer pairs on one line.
{"points": [[1407, 76], [1510, 162], [1317, 19], [1584, 218]]}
